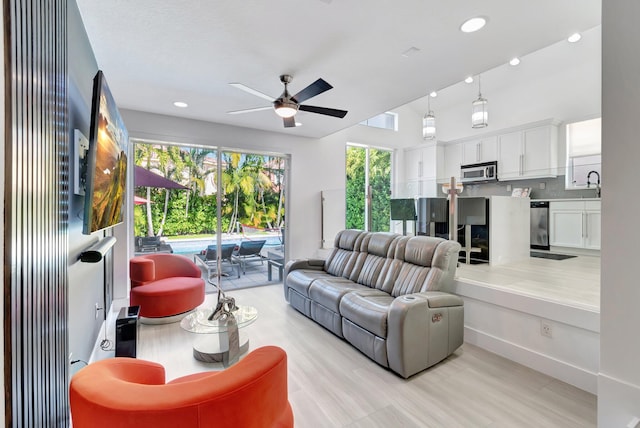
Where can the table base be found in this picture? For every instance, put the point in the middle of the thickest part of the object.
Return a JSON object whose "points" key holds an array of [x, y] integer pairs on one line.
{"points": [[214, 348]]}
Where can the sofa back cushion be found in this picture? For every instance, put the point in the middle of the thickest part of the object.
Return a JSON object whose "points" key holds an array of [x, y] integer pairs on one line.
{"points": [[375, 259], [345, 251], [420, 249], [428, 264], [393, 263]]}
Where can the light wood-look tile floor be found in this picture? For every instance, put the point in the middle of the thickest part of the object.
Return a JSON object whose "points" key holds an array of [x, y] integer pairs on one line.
{"points": [[331, 384]]}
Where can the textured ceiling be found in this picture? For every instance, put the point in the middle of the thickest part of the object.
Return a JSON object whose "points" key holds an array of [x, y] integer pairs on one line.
{"points": [[155, 52]]}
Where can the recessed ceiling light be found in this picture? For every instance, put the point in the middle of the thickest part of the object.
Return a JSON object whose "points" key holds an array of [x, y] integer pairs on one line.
{"points": [[473, 24], [181, 104], [468, 80], [574, 37], [433, 94], [515, 61]]}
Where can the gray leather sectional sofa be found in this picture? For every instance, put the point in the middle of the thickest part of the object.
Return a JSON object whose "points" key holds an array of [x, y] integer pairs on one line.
{"points": [[379, 292]]}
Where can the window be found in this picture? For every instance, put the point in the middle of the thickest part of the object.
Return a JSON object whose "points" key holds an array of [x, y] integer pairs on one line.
{"points": [[583, 153], [387, 120], [368, 188]]}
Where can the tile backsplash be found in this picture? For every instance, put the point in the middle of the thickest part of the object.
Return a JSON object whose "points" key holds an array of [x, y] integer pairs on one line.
{"points": [[553, 189]]}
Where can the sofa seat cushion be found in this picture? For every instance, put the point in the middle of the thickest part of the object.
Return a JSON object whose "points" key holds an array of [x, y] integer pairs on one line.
{"points": [[167, 297], [367, 309], [301, 279], [329, 291]]}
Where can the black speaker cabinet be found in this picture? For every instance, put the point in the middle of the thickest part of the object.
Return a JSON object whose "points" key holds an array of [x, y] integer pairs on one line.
{"points": [[127, 331]]}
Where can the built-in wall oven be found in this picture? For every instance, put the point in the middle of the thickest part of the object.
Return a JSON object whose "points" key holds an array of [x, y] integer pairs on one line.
{"points": [[540, 225]]}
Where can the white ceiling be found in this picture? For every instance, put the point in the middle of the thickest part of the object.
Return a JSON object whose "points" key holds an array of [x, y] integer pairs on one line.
{"points": [[155, 52]]}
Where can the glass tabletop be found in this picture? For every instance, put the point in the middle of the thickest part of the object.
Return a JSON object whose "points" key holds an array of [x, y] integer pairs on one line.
{"points": [[198, 320]]}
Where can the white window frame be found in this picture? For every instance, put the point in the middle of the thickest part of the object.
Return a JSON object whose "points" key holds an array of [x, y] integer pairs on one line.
{"points": [[575, 153], [374, 121]]}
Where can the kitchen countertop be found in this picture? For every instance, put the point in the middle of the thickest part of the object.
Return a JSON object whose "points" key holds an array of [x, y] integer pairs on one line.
{"points": [[565, 199]]}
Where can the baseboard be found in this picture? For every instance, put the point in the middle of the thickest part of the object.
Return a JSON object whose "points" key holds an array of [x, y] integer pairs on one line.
{"points": [[618, 402], [571, 374]]}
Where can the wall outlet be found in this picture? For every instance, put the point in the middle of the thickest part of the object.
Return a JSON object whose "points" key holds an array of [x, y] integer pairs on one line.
{"points": [[545, 329], [543, 185], [508, 187]]}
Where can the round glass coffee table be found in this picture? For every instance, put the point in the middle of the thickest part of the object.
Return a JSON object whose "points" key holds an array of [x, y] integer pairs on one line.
{"points": [[219, 340]]}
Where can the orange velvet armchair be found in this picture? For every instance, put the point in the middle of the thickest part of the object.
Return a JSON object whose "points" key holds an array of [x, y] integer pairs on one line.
{"points": [[164, 285], [131, 393]]}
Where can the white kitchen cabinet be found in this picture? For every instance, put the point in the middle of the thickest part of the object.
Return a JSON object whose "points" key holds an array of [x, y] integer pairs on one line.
{"points": [[575, 224], [592, 227], [528, 153], [412, 164], [420, 170], [510, 156], [480, 150], [451, 163]]}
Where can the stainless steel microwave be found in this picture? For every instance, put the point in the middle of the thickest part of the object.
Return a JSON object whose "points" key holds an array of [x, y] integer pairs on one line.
{"points": [[479, 172]]}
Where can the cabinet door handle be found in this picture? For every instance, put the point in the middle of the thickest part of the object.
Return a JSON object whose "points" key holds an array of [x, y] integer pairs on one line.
{"points": [[420, 169], [478, 152], [521, 164], [584, 225]]}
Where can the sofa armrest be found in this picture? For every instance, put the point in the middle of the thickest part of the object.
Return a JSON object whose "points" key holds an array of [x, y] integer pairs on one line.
{"points": [[439, 299], [423, 329], [311, 264]]}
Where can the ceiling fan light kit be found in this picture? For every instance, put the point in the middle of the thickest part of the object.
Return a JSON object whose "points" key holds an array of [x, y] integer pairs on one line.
{"points": [[286, 106]]}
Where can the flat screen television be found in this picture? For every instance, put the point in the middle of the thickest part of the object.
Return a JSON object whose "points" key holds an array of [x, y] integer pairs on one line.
{"points": [[106, 179], [403, 209]]}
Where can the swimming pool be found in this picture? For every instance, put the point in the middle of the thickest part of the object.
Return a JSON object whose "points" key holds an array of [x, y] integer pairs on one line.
{"points": [[193, 246]]}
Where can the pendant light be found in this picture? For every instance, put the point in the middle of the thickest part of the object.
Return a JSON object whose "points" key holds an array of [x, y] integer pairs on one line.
{"points": [[479, 113], [429, 123]]}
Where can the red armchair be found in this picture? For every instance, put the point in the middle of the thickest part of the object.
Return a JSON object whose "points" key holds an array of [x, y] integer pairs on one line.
{"points": [[131, 393], [164, 285]]}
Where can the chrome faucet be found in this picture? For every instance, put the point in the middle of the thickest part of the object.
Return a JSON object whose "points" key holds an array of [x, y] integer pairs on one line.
{"points": [[597, 184]]}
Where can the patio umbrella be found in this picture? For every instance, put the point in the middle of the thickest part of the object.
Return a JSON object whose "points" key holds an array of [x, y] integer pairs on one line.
{"points": [[146, 178]]}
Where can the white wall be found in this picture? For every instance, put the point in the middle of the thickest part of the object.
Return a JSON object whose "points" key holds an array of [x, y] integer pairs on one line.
{"points": [[86, 280], [619, 377]]}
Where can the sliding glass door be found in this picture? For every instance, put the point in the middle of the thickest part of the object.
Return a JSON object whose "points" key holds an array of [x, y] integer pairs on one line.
{"points": [[213, 203]]}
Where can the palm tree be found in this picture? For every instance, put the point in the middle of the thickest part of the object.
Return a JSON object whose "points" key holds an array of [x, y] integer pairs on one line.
{"points": [[236, 180], [196, 171]]}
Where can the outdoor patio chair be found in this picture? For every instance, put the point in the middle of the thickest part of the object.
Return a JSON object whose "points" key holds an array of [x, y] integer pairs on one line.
{"points": [[151, 244], [247, 252], [210, 259]]}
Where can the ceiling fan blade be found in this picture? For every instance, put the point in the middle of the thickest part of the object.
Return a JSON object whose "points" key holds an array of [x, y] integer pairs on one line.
{"points": [[324, 110], [250, 110], [252, 91], [289, 122], [316, 88]]}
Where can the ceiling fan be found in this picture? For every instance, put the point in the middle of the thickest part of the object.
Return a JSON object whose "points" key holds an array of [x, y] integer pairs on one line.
{"points": [[286, 106]]}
